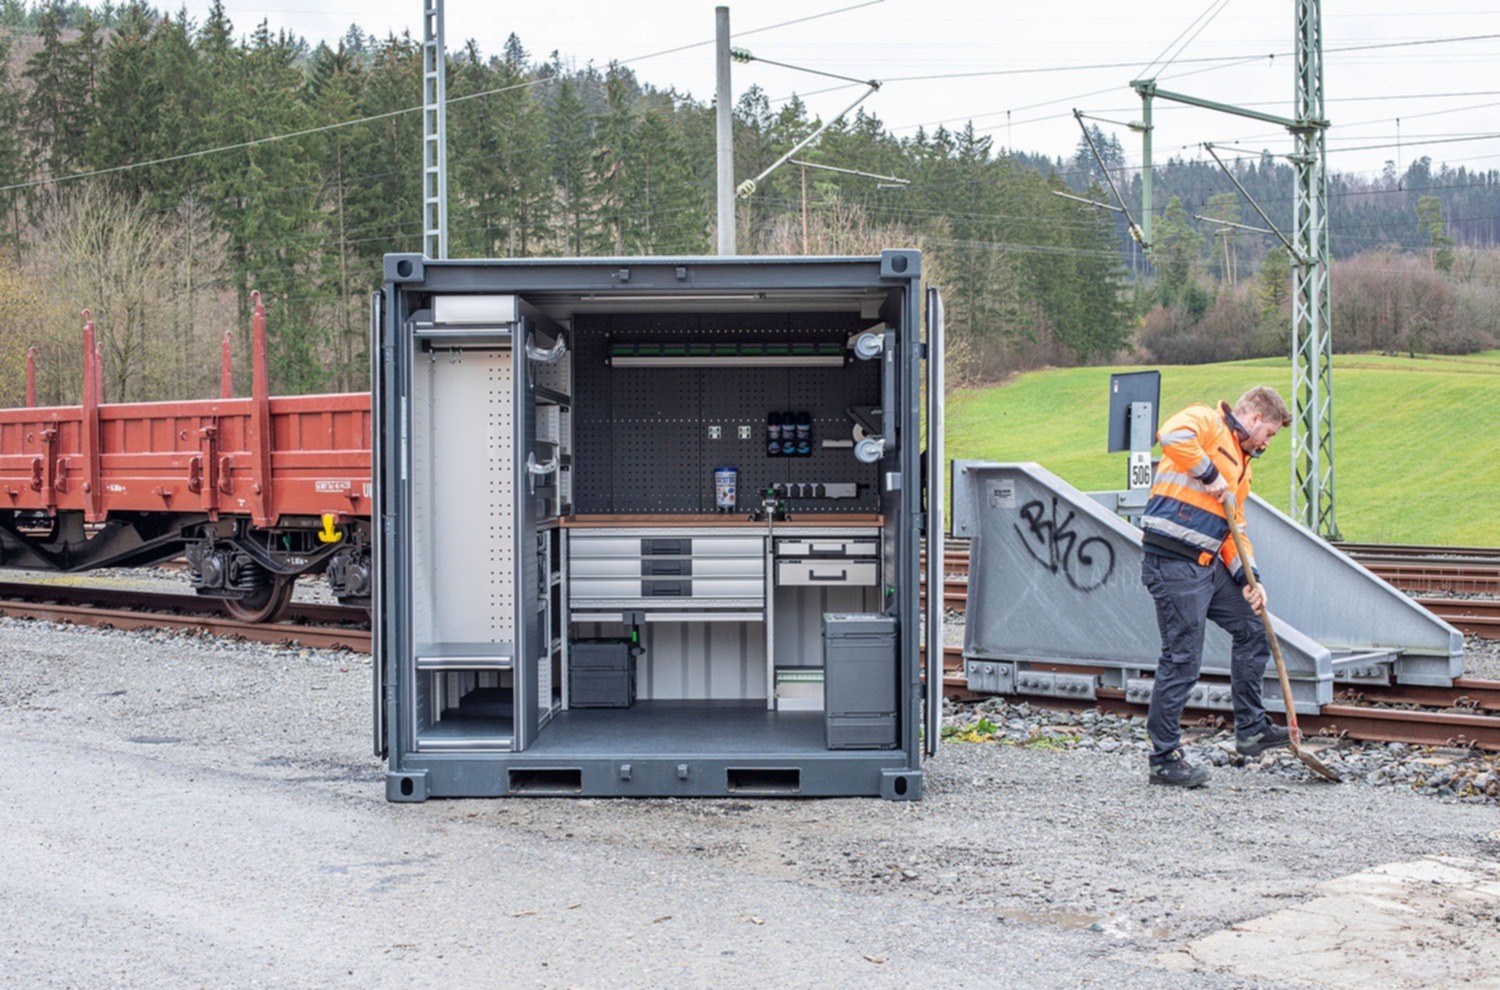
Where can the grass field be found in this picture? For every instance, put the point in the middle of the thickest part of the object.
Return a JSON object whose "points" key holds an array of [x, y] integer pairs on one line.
{"points": [[1416, 442]]}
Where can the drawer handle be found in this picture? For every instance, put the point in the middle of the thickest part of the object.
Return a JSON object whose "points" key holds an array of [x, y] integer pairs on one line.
{"points": [[826, 548], [815, 576]]}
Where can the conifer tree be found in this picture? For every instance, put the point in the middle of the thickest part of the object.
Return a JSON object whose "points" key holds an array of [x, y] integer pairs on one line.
{"points": [[570, 134]]}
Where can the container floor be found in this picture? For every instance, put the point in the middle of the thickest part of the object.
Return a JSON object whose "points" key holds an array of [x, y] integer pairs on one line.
{"points": [[699, 728]]}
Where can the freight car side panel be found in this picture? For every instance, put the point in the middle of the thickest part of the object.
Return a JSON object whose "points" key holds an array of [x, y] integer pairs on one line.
{"points": [[196, 456]]}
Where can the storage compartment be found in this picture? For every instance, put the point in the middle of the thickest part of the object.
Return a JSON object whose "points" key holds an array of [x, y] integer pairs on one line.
{"points": [[566, 608], [463, 562], [467, 710], [799, 689], [859, 660]]}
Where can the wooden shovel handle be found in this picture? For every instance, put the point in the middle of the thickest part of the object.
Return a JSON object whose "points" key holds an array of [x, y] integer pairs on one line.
{"points": [[1265, 617]]}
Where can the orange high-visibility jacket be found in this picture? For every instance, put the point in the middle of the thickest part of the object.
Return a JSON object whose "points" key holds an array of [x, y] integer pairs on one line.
{"points": [[1197, 445]]}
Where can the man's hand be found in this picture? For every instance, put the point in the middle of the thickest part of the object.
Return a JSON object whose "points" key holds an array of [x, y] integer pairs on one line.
{"points": [[1256, 596], [1218, 486]]}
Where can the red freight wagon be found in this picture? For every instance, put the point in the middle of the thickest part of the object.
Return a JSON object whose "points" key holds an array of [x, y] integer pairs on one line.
{"points": [[252, 491]]}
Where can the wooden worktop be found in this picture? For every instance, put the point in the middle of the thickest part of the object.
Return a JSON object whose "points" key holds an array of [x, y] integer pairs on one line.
{"points": [[737, 520]]}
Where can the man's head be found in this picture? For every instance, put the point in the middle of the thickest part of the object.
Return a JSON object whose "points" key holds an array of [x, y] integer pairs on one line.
{"points": [[1262, 412]]}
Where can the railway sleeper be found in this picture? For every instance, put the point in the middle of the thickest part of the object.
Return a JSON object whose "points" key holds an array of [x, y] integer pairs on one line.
{"points": [[1086, 682]]}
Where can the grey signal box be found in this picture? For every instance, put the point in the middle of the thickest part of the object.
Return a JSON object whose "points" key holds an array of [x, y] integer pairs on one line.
{"points": [[620, 500]]}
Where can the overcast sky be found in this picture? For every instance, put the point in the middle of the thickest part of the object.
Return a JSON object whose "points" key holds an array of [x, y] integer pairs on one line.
{"points": [[1441, 93]]}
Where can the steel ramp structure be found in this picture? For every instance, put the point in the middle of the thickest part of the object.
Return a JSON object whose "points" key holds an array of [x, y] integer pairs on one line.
{"points": [[1054, 584]]}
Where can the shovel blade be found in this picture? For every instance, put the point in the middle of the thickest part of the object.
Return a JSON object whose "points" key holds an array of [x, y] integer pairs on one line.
{"points": [[1318, 766]]}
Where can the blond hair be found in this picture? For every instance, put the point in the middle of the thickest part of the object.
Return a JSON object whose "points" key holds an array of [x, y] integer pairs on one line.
{"points": [[1268, 402]]}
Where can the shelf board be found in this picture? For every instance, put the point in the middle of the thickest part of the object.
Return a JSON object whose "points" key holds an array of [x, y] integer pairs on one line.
{"points": [[466, 656]]}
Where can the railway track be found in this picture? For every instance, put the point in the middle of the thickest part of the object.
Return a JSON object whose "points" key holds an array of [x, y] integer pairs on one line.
{"points": [[1466, 715], [307, 624]]}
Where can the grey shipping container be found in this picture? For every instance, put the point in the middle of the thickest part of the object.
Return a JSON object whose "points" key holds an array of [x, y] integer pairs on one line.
{"points": [[575, 450]]}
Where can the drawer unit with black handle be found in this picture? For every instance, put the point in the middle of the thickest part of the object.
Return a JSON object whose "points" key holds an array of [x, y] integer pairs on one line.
{"points": [[830, 570], [827, 560], [827, 547], [609, 570]]}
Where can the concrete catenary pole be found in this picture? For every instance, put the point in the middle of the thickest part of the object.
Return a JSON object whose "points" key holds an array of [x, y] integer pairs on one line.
{"points": [[724, 95]]}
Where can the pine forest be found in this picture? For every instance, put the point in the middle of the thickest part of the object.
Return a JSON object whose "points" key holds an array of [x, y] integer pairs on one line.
{"points": [[156, 171]]}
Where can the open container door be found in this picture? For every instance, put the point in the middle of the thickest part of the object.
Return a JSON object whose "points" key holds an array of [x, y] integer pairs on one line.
{"points": [[535, 488], [934, 519], [380, 350]]}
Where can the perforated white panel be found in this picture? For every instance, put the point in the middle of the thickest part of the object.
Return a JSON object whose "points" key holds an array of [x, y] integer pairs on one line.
{"points": [[463, 499]]}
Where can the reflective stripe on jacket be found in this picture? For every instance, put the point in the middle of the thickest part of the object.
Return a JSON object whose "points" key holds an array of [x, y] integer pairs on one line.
{"points": [[1197, 445]]}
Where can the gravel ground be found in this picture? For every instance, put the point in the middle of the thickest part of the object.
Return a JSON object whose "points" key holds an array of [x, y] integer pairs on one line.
{"points": [[200, 812]]}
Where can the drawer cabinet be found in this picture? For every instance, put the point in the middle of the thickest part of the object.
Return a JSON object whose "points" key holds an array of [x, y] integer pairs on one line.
{"points": [[643, 571]]}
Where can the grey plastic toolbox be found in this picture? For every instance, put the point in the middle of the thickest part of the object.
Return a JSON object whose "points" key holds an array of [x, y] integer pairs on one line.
{"points": [[601, 673], [859, 680]]}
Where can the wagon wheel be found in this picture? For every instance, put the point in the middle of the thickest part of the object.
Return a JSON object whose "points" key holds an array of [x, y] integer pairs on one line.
{"points": [[266, 605]]}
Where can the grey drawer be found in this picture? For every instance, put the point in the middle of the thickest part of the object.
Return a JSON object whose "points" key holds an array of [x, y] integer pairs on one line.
{"points": [[681, 589], [729, 546], [843, 571], [584, 589], [701, 567], [826, 548], [666, 546], [604, 546], [729, 587]]}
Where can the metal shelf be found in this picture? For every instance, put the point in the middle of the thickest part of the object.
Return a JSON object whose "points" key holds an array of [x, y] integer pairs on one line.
{"points": [[466, 656]]}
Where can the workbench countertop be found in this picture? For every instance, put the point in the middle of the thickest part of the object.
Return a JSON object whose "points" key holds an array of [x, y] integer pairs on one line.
{"points": [[737, 520]]}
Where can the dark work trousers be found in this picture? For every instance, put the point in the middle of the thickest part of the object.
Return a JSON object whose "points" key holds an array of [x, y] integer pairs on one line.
{"points": [[1186, 596]]}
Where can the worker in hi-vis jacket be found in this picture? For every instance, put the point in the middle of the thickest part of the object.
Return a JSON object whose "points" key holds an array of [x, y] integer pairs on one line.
{"points": [[1194, 573]]}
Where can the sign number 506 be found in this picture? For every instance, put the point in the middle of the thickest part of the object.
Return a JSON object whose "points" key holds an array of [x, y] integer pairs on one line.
{"points": [[1140, 469]]}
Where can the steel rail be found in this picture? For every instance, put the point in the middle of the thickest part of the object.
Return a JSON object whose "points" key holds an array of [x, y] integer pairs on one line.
{"points": [[137, 610], [126, 598]]}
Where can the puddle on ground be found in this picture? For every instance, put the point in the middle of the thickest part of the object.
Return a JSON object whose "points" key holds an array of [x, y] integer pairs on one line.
{"points": [[1075, 921], [1057, 919]]}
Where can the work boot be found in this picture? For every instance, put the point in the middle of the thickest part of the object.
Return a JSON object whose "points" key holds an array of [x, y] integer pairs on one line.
{"points": [[1271, 736], [1177, 772]]}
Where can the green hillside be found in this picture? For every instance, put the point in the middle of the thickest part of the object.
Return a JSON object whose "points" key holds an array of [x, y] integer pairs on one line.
{"points": [[1417, 442]]}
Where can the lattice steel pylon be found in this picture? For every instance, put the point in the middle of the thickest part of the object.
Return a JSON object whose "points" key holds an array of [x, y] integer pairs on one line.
{"points": [[434, 133], [1312, 502], [1312, 338]]}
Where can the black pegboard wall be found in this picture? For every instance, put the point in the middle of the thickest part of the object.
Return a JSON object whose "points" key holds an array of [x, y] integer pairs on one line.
{"points": [[642, 434], [592, 398]]}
